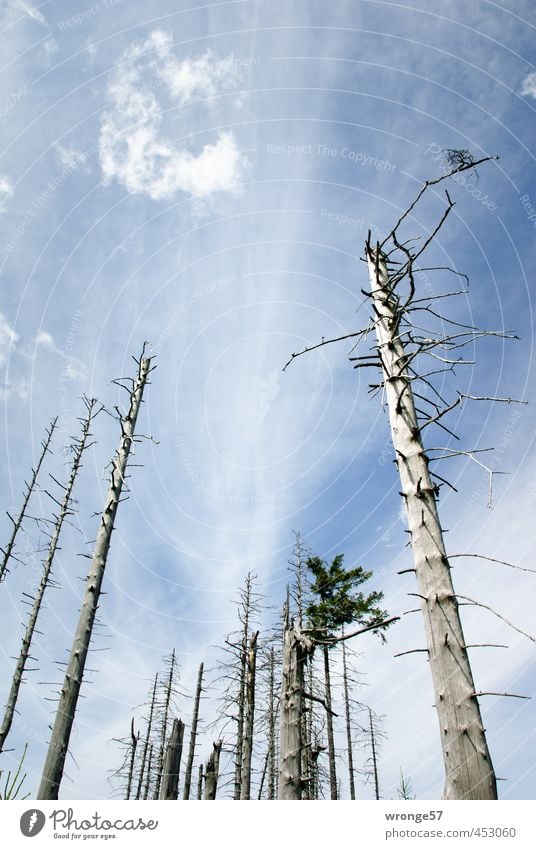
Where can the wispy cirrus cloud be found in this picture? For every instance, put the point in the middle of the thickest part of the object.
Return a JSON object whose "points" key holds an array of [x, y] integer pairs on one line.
{"points": [[133, 148]]}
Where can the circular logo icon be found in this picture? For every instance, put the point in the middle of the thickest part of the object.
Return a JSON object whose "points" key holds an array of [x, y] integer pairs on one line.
{"points": [[32, 822]]}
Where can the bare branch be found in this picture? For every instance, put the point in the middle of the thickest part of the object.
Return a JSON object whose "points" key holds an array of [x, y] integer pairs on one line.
{"points": [[498, 615]]}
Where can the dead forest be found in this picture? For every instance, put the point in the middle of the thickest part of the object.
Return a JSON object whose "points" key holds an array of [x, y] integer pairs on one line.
{"points": [[283, 713]]}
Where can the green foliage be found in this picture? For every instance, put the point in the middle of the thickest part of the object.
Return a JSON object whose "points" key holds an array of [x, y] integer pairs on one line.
{"points": [[337, 601]]}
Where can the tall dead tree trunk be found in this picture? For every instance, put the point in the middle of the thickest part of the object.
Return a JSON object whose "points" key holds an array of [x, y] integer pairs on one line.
{"points": [[348, 718], [247, 607], [134, 739], [374, 757], [272, 707], [163, 731], [61, 732], [212, 771], [193, 735], [200, 783], [149, 773], [329, 725], [468, 767], [147, 740], [249, 717], [65, 509], [7, 552], [169, 785], [296, 649]]}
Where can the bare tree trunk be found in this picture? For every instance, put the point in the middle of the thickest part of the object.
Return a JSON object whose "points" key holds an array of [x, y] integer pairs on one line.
{"points": [[296, 648], [249, 717], [374, 757], [133, 746], [349, 743], [193, 735], [468, 767], [271, 729], [169, 785], [212, 771], [241, 701], [163, 732], [7, 552], [61, 732], [65, 509], [329, 723], [147, 739], [148, 779], [200, 783]]}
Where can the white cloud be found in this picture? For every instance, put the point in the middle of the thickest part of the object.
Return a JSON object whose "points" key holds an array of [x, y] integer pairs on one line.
{"points": [[31, 11], [6, 190], [133, 148], [45, 339], [8, 337], [70, 158], [528, 86], [73, 368]]}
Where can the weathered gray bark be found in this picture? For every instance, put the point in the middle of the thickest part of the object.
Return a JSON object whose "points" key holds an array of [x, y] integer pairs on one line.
{"points": [[63, 723], [169, 785], [329, 725], [347, 715], [249, 717], [7, 552], [296, 648], [374, 757], [212, 771], [200, 782], [134, 738], [272, 779], [65, 509], [163, 732], [149, 773], [193, 735], [468, 767], [246, 611], [147, 738]]}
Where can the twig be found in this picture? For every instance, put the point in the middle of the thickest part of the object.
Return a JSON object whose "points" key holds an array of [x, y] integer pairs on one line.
{"points": [[498, 615], [325, 342]]}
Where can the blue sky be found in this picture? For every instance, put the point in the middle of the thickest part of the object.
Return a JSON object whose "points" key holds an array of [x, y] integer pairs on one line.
{"points": [[203, 176]]}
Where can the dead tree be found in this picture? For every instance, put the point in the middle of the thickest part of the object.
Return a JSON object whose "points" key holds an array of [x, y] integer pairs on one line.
{"points": [[134, 740], [234, 674], [61, 732], [193, 735], [468, 766], [169, 692], [296, 649], [200, 777], [212, 770], [247, 608], [149, 773], [348, 722], [415, 403], [169, 785], [147, 740], [65, 509], [272, 712], [249, 717], [374, 756], [7, 552]]}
